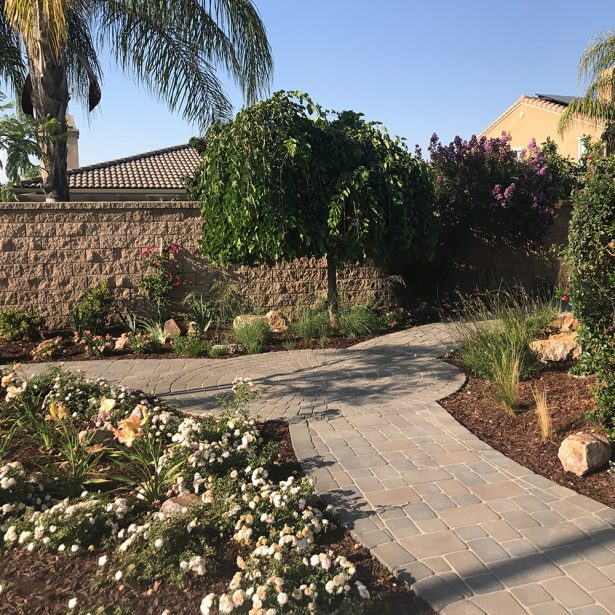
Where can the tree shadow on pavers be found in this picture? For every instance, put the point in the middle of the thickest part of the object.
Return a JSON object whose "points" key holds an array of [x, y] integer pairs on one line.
{"points": [[372, 376], [595, 548]]}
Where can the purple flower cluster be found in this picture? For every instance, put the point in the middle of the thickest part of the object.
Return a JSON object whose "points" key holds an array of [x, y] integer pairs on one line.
{"points": [[484, 186]]}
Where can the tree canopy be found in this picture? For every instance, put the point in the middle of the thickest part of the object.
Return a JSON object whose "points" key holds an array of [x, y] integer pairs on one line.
{"points": [[286, 178]]}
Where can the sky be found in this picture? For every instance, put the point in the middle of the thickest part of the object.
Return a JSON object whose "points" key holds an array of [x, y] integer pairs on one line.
{"points": [[444, 66]]}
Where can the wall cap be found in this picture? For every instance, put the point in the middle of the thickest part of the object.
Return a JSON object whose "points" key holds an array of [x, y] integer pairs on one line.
{"points": [[97, 205]]}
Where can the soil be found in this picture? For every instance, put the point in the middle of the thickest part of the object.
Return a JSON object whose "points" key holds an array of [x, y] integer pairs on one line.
{"points": [[21, 351], [39, 583], [519, 438]]}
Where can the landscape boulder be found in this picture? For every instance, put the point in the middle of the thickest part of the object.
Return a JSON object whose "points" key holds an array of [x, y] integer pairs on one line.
{"points": [[277, 321], [178, 504], [569, 323], [583, 453], [171, 329], [557, 348]]}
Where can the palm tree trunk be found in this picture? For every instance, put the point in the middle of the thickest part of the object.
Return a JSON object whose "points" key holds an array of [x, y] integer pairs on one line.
{"points": [[50, 100]]}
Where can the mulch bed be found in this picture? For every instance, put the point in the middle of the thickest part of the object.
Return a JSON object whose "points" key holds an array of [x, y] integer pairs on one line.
{"points": [[42, 583], [20, 351], [568, 397]]}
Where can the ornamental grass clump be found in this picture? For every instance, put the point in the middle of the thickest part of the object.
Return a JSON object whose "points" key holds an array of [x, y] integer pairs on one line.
{"points": [[543, 414], [359, 321], [496, 329], [506, 381], [253, 336], [312, 325]]}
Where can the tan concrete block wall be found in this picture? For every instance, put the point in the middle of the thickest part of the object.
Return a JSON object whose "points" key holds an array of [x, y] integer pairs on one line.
{"points": [[49, 252]]}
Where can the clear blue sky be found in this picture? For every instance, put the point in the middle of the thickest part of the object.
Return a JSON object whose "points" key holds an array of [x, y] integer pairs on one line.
{"points": [[449, 66]]}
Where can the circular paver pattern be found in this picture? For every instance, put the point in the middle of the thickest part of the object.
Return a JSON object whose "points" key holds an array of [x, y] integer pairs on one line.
{"points": [[472, 530]]}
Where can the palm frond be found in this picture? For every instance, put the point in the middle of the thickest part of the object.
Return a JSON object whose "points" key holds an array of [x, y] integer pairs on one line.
{"points": [[12, 65], [598, 56], [173, 48], [82, 63], [587, 109], [36, 21]]}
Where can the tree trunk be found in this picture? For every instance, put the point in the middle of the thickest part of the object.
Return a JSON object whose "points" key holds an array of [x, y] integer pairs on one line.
{"points": [[50, 100], [332, 296]]}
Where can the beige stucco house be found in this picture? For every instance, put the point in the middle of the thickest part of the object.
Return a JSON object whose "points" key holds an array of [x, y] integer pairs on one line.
{"points": [[537, 117]]}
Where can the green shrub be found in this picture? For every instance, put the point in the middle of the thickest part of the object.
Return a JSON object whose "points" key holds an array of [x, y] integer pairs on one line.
{"points": [[253, 336], [17, 324], [218, 350], [312, 325], [199, 311], [191, 346], [591, 258], [93, 310], [359, 321], [143, 343], [499, 326]]}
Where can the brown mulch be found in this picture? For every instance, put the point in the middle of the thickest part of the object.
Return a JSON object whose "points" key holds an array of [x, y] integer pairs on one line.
{"points": [[39, 583], [21, 351], [568, 397]]}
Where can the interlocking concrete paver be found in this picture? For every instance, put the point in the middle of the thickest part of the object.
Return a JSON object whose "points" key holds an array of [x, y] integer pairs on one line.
{"points": [[407, 479]]}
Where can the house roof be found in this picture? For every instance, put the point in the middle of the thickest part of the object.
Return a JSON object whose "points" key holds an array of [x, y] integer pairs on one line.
{"points": [[163, 169], [556, 98]]}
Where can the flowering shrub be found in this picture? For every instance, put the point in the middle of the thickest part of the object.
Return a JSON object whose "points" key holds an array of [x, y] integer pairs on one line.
{"points": [[282, 579], [483, 187], [143, 343], [94, 345], [185, 488], [164, 275], [591, 256], [48, 350], [68, 526]]}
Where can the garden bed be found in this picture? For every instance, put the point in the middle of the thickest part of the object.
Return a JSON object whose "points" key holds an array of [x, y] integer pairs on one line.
{"points": [[99, 541], [519, 438], [21, 351]]}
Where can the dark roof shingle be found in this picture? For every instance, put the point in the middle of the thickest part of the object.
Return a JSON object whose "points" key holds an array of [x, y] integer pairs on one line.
{"points": [[160, 169]]}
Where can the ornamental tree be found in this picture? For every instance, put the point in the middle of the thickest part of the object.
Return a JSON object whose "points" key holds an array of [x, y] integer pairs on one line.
{"points": [[287, 179], [485, 189]]}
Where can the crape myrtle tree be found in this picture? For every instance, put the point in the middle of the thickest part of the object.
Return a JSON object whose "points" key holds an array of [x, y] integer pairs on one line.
{"points": [[49, 52], [287, 179]]}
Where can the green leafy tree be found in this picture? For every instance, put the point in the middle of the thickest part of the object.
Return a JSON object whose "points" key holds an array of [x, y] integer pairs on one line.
{"points": [[49, 51], [597, 64], [19, 141], [287, 179]]}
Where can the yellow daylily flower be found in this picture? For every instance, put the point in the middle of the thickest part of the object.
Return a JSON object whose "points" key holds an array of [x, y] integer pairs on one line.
{"points": [[7, 380], [57, 411], [129, 429], [107, 404]]}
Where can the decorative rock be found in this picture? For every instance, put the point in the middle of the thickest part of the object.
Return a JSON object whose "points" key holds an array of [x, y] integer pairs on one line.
{"points": [[583, 453], [121, 341], [248, 319], [557, 348], [277, 322], [569, 323], [178, 504], [171, 329]]}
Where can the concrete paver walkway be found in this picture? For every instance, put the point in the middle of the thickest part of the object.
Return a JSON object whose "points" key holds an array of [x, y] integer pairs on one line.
{"points": [[471, 529]]}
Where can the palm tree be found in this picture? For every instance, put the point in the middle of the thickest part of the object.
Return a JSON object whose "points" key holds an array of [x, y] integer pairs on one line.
{"points": [[49, 51], [597, 64]]}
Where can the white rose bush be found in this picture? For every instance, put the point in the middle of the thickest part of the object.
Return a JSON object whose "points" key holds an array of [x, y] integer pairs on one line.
{"points": [[162, 497]]}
